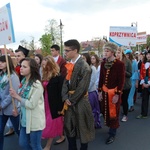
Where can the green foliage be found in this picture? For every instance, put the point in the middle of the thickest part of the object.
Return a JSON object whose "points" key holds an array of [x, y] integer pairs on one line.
{"points": [[148, 41], [46, 42], [92, 53], [51, 36]]}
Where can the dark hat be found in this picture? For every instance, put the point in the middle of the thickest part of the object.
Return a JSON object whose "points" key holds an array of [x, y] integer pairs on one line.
{"points": [[22, 49]]}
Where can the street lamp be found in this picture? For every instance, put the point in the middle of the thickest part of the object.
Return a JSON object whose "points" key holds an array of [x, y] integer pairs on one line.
{"points": [[134, 23], [61, 44]]}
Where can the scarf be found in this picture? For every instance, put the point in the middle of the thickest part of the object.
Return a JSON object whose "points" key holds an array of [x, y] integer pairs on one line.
{"points": [[108, 65], [3, 80], [24, 89], [69, 67]]}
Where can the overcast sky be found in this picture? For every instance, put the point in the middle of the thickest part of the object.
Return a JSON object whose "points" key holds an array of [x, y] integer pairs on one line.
{"points": [[82, 19]]}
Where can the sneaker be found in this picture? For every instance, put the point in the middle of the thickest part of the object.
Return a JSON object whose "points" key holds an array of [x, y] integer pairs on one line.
{"points": [[141, 117], [124, 119], [131, 109]]}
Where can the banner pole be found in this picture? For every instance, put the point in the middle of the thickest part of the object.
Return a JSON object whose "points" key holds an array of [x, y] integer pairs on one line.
{"points": [[8, 71]]}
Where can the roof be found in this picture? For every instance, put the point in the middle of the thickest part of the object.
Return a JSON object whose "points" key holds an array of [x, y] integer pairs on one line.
{"points": [[2, 52]]}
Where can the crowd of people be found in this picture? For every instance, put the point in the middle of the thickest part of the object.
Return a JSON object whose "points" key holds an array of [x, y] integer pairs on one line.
{"points": [[51, 96]]}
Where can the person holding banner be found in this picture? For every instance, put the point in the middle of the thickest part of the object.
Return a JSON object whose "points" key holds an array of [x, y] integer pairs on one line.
{"points": [[111, 83], [6, 106], [30, 96], [20, 53]]}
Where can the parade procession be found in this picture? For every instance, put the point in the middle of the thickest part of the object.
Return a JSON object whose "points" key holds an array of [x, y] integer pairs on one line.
{"points": [[61, 90]]}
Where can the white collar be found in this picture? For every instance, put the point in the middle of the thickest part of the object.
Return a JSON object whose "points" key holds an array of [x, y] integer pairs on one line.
{"points": [[75, 60], [56, 58]]}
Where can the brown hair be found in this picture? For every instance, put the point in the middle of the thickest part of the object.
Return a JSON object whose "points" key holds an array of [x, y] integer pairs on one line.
{"points": [[123, 55], [97, 60], [51, 69], [33, 68], [11, 66]]}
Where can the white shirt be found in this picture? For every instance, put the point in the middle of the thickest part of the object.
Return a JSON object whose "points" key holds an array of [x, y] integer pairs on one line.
{"points": [[75, 60], [56, 58]]}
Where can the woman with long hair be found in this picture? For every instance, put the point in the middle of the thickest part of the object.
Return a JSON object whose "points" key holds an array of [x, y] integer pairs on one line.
{"points": [[127, 84], [30, 96], [134, 79], [52, 83], [92, 92], [6, 106], [95, 61], [38, 58]]}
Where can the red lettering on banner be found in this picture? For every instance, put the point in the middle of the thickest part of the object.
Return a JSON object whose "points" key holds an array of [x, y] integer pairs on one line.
{"points": [[3, 25], [122, 34]]}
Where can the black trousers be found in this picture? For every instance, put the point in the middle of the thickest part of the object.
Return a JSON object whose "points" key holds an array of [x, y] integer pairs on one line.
{"points": [[112, 132], [145, 102], [73, 146], [124, 98]]}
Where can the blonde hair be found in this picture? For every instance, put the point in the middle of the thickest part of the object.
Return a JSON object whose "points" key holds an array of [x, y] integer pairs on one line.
{"points": [[51, 69]]}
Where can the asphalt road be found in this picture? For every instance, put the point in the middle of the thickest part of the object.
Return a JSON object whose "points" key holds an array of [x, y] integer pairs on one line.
{"points": [[131, 135]]}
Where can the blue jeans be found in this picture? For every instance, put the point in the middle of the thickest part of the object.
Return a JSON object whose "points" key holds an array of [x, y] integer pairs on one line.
{"points": [[3, 120], [30, 141]]}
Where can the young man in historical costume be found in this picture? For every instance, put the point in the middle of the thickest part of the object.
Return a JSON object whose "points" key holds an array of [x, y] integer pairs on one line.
{"points": [[111, 83], [78, 118]]}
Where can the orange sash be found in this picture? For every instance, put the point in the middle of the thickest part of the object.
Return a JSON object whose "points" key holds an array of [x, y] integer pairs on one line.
{"points": [[112, 107], [69, 67]]}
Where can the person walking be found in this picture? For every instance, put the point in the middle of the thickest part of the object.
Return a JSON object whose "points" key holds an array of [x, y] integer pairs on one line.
{"points": [[145, 82], [127, 84], [6, 105], [52, 82], [78, 118], [30, 96], [111, 83], [92, 92], [134, 79], [55, 51]]}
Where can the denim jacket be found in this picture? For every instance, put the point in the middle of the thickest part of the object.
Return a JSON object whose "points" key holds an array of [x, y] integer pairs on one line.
{"points": [[5, 98]]}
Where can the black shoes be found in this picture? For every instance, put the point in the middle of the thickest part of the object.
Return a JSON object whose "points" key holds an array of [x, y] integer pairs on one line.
{"points": [[110, 140]]}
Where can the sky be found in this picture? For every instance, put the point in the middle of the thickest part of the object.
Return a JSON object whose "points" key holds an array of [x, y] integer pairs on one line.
{"points": [[82, 19]]}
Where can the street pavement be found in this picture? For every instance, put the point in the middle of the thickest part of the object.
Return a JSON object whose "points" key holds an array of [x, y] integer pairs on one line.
{"points": [[131, 135]]}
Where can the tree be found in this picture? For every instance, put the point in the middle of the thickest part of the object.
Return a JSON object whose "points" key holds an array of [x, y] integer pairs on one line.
{"points": [[50, 37], [24, 43], [148, 41], [46, 43], [31, 47]]}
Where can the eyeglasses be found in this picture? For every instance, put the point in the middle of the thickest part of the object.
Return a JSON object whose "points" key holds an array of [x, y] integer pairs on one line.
{"points": [[67, 51]]}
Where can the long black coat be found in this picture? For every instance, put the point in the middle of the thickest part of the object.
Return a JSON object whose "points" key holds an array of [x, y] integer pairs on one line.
{"points": [[54, 88]]}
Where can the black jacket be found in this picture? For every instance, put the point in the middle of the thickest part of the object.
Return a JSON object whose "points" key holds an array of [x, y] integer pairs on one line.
{"points": [[54, 88]]}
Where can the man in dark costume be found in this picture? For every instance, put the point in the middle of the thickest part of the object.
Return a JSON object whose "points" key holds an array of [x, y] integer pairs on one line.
{"points": [[112, 76]]}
